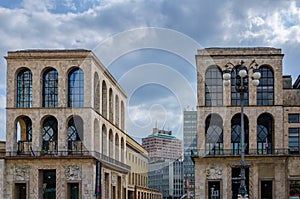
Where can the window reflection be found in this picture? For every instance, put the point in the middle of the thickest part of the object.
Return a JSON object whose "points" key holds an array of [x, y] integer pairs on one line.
{"points": [[75, 88], [24, 89]]}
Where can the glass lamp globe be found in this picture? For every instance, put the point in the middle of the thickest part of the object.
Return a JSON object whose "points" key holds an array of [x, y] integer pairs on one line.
{"points": [[242, 73], [226, 76], [226, 82], [255, 82], [256, 75]]}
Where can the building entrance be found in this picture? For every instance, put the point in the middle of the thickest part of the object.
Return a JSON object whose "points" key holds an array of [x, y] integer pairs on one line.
{"points": [[266, 189], [214, 191], [49, 184], [236, 181]]}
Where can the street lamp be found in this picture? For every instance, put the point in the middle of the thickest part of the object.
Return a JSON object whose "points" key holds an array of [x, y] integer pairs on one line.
{"points": [[241, 86]]}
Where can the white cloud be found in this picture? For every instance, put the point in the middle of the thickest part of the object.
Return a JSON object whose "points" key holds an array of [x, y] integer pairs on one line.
{"points": [[52, 24], [142, 118]]}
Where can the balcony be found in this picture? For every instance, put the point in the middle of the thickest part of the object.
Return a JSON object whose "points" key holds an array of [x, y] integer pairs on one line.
{"points": [[24, 147], [75, 149], [249, 152]]}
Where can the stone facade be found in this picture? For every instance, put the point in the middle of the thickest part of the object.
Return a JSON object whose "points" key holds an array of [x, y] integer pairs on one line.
{"points": [[137, 159], [69, 141], [271, 166]]}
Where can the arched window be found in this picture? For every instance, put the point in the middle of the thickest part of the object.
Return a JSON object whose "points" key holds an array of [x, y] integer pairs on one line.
{"points": [[24, 128], [76, 88], [104, 99], [75, 133], [264, 134], [122, 150], [122, 116], [50, 88], [75, 129], [213, 87], [97, 143], [265, 89], [235, 96], [24, 133], [49, 134], [117, 110], [24, 89], [111, 102], [214, 134], [117, 153], [96, 93], [104, 140], [236, 134], [111, 144]]}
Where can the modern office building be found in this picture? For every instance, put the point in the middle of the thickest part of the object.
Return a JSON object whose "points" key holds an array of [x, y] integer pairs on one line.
{"points": [[65, 127], [167, 176], [162, 144], [189, 145], [137, 159], [165, 166], [271, 125]]}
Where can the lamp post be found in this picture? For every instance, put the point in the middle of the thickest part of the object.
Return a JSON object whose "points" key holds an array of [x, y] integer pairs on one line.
{"points": [[241, 86]]}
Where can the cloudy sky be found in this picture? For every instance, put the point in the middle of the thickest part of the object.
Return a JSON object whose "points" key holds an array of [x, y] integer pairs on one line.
{"points": [[149, 45]]}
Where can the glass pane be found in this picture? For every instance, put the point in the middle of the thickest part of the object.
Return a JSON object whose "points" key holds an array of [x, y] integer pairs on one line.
{"points": [[24, 89], [76, 88], [50, 88]]}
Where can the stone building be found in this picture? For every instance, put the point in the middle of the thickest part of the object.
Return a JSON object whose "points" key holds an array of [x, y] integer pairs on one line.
{"points": [[65, 127], [272, 126], [137, 159]]}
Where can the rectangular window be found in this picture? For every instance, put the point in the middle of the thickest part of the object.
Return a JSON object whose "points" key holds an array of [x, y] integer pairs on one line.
{"points": [[214, 190], [20, 191], [49, 184], [294, 189], [73, 190], [293, 118], [266, 189], [294, 140]]}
